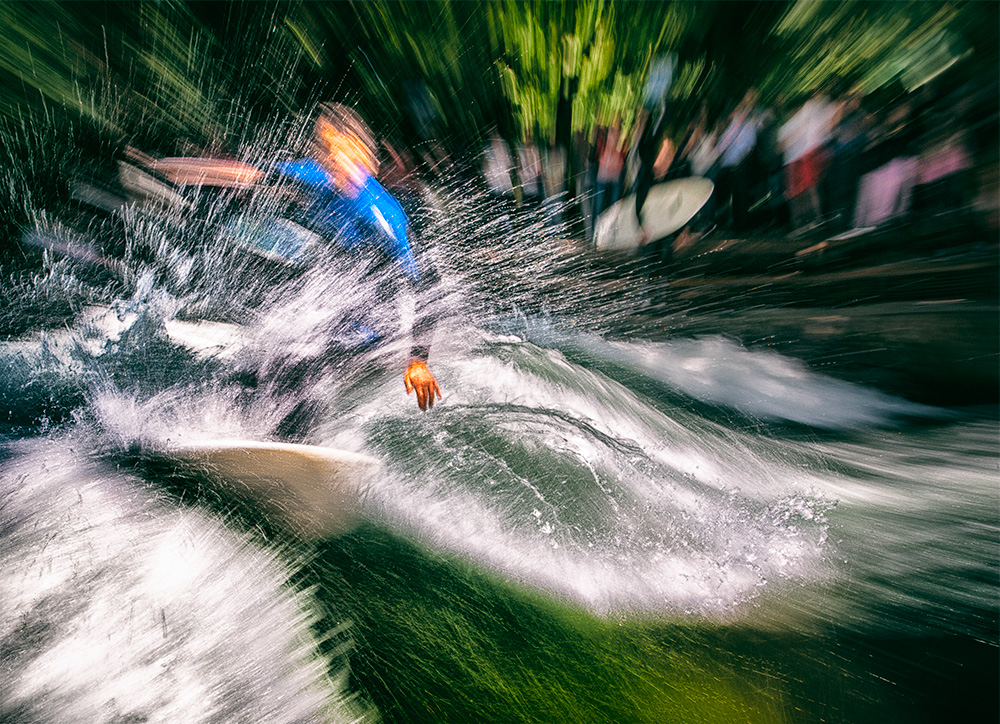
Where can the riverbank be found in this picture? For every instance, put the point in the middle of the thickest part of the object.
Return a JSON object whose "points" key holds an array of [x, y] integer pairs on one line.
{"points": [[912, 309]]}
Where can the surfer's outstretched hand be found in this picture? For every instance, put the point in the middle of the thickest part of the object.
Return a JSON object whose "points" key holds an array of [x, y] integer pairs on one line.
{"points": [[419, 378]]}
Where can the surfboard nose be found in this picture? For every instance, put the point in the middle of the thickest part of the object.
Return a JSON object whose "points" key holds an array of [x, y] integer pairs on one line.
{"points": [[316, 491]]}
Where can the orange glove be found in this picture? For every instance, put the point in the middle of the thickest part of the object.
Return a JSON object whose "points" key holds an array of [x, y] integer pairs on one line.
{"points": [[419, 378]]}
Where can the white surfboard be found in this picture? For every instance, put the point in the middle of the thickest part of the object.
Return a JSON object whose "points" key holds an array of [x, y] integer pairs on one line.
{"points": [[668, 208], [315, 490]]}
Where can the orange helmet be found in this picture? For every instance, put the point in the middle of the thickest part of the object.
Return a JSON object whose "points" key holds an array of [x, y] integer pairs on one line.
{"points": [[344, 139]]}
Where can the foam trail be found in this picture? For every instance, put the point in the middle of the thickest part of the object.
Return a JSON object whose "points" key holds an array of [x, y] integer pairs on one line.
{"points": [[760, 384], [553, 474]]}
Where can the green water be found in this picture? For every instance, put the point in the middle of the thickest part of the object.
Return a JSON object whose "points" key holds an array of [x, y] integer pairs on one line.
{"points": [[435, 640]]}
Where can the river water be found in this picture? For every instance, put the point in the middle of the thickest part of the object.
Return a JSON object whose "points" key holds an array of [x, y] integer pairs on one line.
{"points": [[599, 522]]}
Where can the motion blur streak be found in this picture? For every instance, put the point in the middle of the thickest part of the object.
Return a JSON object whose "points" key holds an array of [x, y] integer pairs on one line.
{"points": [[119, 607]]}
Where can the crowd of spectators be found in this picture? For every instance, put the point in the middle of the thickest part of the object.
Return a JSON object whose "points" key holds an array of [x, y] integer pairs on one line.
{"points": [[836, 163]]}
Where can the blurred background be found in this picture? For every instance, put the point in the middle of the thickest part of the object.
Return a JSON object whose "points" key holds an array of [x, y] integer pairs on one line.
{"points": [[741, 470], [552, 112], [744, 470], [439, 80]]}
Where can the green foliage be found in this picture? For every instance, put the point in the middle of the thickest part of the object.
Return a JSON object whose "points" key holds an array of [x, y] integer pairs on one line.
{"points": [[150, 70], [208, 71], [595, 54], [865, 44], [381, 56], [44, 58]]}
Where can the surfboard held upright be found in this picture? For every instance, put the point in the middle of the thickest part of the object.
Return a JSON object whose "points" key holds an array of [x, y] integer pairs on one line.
{"points": [[669, 207]]}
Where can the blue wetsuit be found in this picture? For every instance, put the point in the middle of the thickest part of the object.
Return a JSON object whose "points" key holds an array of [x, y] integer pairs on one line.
{"points": [[374, 219]]}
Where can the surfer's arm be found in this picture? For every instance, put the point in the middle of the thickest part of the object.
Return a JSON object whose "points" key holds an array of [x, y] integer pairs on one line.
{"points": [[403, 247], [197, 170], [426, 289]]}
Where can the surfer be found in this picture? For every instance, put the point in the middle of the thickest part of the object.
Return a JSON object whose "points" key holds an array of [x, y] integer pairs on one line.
{"points": [[340, 198], [347, 202]]}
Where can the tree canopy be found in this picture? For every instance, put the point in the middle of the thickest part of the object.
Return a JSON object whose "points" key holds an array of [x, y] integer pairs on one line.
{"points": [[208, 71]]}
